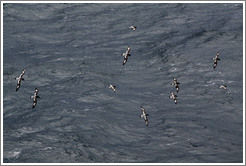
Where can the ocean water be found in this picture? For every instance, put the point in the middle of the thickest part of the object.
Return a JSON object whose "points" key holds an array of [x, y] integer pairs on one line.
{"points": [[72, 52]]}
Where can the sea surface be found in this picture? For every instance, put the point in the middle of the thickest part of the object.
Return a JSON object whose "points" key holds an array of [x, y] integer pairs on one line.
{"points": [[72, 52]]}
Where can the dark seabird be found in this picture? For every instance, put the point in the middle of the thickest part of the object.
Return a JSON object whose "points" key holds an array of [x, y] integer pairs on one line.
{"points": [[144, 116], [34, 97], [112, 87], [19, 79], [133, 27], [223, 87], [174, 97], [126, 54], [216, 59], [176, 84]]}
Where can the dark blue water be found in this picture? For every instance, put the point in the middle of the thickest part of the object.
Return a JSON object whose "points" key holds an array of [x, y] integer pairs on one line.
{"points": [[73, 52]]}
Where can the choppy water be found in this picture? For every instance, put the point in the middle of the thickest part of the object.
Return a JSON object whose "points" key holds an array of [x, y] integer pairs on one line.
{"points": [[72, 52]]}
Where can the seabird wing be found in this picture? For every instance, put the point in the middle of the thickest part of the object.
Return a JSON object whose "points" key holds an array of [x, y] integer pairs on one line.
{"points": [[124, 62], [146, 122], [17, 88], [34, 104]]}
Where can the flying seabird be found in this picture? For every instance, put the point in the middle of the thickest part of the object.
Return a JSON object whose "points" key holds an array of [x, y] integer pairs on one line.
{"points": [[144, 116], [112, 87], [176, 84], [174, 97], [223, 87], [19, 79], [133, 27], [34, 97], [216, 59], [126, 54]]}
